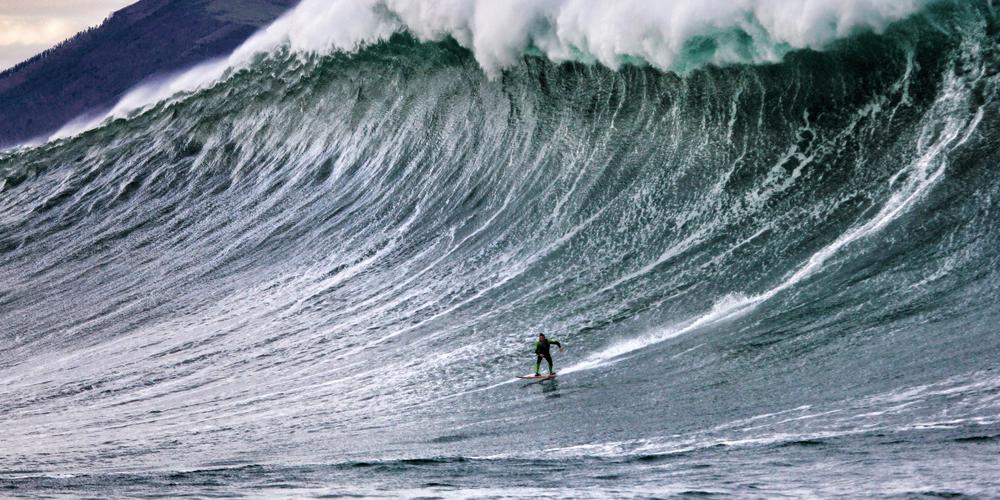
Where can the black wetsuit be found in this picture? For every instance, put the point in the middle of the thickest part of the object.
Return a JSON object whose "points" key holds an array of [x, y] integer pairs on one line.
{"points": [[542, 351]]}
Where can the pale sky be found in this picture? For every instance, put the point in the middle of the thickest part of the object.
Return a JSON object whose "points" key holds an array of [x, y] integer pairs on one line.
{"points": [[28, 27]]}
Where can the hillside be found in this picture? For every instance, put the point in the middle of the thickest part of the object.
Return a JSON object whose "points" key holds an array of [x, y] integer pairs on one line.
{"points": [[89, 72]]}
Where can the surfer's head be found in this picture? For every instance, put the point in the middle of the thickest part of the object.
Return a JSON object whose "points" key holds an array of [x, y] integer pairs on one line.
{"points": [[541, 336]]}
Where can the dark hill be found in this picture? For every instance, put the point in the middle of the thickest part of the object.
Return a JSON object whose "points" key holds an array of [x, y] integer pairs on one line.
{"points": [[90, 72]]}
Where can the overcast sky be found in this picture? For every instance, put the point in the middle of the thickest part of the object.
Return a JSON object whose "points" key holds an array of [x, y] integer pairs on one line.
{"points": [[28, 27]]}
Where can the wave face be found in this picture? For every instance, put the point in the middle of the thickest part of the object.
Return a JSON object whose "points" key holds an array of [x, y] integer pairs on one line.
{"points": [[319, 274]]}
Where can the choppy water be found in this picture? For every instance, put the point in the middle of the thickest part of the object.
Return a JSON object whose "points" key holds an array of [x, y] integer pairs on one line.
{"points": [[319, 275]]}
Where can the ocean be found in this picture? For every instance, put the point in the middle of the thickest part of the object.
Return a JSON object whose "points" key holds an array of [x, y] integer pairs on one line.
{"points": [[767, 235]]}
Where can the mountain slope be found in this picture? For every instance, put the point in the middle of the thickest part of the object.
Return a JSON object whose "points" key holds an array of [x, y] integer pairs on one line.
{"points": [[92, 70]]}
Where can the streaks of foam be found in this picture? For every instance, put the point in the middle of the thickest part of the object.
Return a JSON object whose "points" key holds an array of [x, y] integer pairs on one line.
{"points": [[947, 127]]}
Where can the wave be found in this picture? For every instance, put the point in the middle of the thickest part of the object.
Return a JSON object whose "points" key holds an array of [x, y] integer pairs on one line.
{"points": [[672, 36], [342, 257]]}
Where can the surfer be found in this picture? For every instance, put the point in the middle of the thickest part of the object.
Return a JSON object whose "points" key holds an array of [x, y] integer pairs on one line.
{"points": [[542, 351]]}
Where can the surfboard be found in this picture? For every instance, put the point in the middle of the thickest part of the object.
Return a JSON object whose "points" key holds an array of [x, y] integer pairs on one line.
{"points": [[537, 377]]}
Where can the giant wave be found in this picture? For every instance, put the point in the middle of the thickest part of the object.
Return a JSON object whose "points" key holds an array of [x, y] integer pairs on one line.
{"points": [[765, 230]]}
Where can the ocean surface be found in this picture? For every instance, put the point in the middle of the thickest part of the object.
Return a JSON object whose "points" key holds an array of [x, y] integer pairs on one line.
{"points": [[767, 234]]}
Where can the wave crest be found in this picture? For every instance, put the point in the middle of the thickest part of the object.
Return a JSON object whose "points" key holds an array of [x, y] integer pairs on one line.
{"points": [[674, 36], [671, 36]]}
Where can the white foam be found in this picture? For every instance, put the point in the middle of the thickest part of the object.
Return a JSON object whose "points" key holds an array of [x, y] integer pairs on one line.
{"points": [[728, 307], [500, 33]]}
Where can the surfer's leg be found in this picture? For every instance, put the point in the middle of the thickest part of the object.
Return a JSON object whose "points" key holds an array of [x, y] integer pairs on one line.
{"points": [[548, 359], [538, 363]]}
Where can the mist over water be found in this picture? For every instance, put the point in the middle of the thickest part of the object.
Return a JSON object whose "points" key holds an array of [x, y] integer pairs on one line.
{"points": [[765, 232]]}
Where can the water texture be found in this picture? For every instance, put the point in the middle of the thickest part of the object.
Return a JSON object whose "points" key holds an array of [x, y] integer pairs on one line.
{"points": [[315, 271]]}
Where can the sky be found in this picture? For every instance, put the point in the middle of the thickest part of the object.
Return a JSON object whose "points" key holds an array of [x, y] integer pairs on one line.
{"points": [[28, 27]]}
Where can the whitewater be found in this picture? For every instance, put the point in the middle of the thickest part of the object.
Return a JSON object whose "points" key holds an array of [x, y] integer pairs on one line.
{"points": [[764, 230]]}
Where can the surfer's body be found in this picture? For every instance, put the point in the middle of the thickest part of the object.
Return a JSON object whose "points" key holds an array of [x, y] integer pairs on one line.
{"points": [[542, 346]]}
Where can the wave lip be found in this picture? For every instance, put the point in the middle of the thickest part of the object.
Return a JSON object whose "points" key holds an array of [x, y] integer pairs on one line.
{"points": [[671, 36], [668, 35]]}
